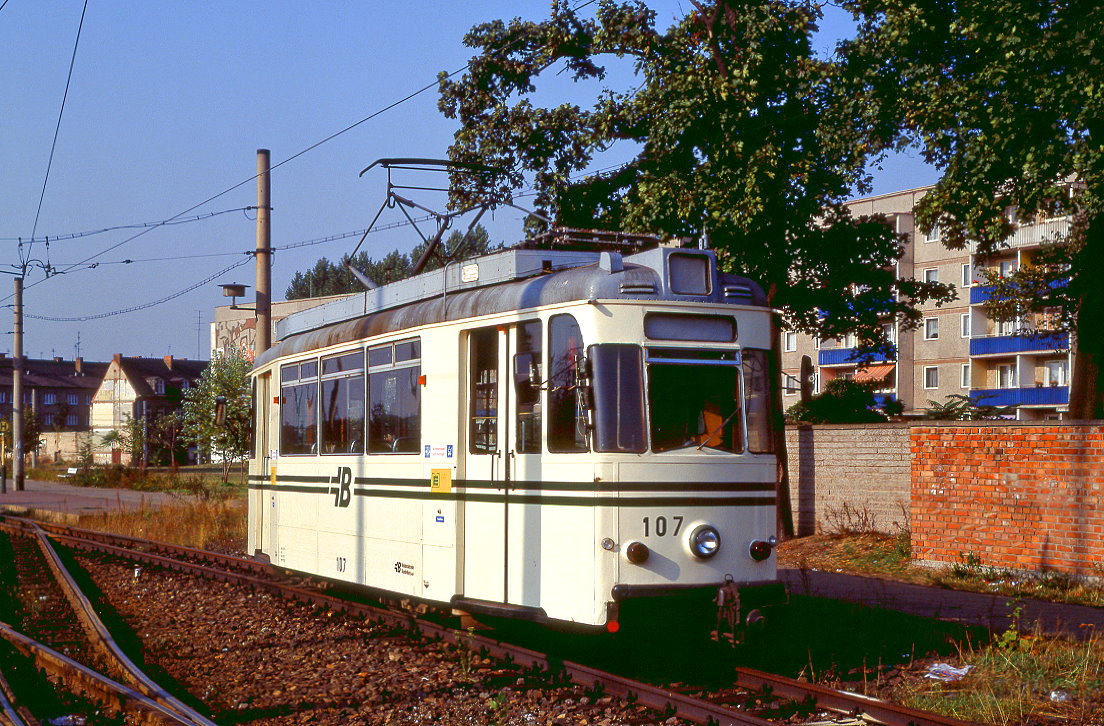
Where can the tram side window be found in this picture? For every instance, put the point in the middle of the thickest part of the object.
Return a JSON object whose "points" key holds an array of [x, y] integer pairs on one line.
{"points": [[255, 416], [298, 408], [618, 398], [483, 397], [343, 404], [566, 411], [757, 391], [394, 398], [527, 384]]}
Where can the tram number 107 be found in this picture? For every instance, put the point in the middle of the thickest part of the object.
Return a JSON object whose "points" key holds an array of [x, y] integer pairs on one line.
{"points": [[662, 526]]}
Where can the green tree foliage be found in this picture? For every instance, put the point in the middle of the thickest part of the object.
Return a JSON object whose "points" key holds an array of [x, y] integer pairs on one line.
{"points": [[334, 278], [1007, 100], [228, 376], [841, 401], [730, 119]]}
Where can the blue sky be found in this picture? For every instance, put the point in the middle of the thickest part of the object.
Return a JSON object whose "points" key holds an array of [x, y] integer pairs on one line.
{"points": [[167, 106]]}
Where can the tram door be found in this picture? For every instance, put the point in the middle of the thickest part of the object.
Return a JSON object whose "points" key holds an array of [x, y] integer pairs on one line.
{"points": [[503, 450]]}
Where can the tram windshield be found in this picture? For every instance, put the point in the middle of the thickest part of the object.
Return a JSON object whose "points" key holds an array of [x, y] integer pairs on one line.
{"points": [[694, 400]]}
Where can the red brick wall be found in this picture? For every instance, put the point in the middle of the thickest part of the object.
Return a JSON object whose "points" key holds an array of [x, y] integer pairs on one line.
{"points": [[1028, 497]]}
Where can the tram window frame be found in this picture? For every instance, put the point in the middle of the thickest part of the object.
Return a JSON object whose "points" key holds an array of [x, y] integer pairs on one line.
{"points": [[402, 437], [343, 376], [619, 406], [254, 416], [565, 402], [754, 365], [690, 327], [483, 394], [682, 417], [527, 393], [296, 378]]}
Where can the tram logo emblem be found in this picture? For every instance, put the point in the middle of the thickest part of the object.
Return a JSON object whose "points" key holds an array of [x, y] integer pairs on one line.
{"points": [[343, 492]]}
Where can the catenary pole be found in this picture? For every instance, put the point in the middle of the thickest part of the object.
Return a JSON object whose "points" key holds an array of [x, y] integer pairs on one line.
{"points": [[17, 389], [264, 254]]}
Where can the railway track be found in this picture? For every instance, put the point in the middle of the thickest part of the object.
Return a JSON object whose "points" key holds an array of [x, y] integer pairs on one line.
{"points": [[690, 706]]}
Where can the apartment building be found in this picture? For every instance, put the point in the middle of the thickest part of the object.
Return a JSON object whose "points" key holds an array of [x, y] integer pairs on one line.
{"points": [[958, 348]]}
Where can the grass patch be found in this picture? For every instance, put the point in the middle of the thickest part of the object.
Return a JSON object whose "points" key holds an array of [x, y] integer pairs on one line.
{"points": [[201, 482], [877, 554], [1017, 679], [215, 523]]}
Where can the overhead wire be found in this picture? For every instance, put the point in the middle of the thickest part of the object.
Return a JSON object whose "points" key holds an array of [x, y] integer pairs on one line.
{"points": [[53, 145], [136, 225], [171, 219], [135, 308]]}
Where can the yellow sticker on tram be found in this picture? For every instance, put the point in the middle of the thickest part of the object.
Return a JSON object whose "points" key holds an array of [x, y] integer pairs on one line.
{"points": [[440, 481]]}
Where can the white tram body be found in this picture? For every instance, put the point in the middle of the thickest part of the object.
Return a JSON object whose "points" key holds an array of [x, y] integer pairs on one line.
{"points": [[543, 433]]}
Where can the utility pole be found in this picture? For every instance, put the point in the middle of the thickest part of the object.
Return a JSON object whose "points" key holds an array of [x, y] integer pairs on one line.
{"points": [[17, 389], [264, 255]]}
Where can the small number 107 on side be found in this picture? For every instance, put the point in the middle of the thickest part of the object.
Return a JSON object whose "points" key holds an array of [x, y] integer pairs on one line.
{"points": [[663, 526]]}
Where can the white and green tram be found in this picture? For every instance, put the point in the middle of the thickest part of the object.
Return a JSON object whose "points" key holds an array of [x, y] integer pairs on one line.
{"points": [[556, 435]]}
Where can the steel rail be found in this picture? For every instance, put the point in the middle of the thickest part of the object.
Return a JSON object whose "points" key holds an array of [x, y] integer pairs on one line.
{"points": [[851, 703], [84, 680], [103, 641], [9, 712], [690, 708]]}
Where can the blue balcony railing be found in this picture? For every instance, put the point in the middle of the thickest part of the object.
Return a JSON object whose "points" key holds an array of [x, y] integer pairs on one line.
{"points": [[848, 357], [1009, 344], [981, 293], [1037, 396]]}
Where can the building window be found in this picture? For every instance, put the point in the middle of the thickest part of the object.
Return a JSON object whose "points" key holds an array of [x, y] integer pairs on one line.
{"points": [[1056, 372], [1006, 376], [965, 375], [967, 274], [931, 328], [88, 399], [889, 330], [933, 235], [931, 377], [72, 420], [159, 386], [49, 399], [931, 275], [790, 341], [966, 325], [48, 419], [5, 397], [1006, 267], [72, 399]]}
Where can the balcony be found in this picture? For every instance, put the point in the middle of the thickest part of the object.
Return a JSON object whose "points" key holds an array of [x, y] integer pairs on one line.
{"points": [[1039, 233], [980, 294], [1038, 396], [1011, 344], [848, 357]]}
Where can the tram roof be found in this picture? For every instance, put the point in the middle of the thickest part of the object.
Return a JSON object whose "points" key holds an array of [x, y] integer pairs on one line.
{"points": [[512, 279]]}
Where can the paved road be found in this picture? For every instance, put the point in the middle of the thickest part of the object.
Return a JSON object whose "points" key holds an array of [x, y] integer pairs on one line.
{"points": [[66, 502]]}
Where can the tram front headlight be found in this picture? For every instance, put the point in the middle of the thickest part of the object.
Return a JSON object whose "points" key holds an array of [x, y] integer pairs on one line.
{"points": [[705, 541]]}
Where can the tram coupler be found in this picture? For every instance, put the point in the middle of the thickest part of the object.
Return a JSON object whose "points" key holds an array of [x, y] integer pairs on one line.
{"points": [[740, 608]]}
